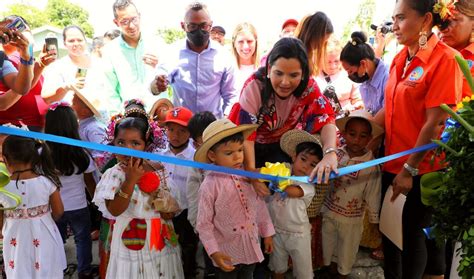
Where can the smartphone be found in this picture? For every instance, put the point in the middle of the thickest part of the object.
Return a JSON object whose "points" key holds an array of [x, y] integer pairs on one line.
{"points": [[17, 24], [51, 45], [81, 73]]}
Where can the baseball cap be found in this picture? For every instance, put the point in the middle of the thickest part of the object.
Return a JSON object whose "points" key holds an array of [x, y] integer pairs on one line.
{"points": [[179, 115], [219, 29], [290, 21]]}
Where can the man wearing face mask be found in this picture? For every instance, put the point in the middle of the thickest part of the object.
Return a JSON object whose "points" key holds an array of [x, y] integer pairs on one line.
{"points": [[200, 72]]}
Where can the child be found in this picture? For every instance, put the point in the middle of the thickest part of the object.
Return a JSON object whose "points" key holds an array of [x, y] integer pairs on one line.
{"points": [[32, 246], [197, 124], [90, 129], [344, 207], [143, 241], [177, 132], [75, 168], [293, 230], [231, 217]]}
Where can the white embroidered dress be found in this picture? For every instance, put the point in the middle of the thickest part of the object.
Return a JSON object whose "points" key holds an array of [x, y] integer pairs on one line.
{"points": [[146, 262], [32, 245]]}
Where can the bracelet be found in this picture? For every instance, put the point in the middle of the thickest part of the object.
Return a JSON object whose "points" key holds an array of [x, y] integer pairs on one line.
{"points": [[123, 194], [27, 62], [329, 150]]}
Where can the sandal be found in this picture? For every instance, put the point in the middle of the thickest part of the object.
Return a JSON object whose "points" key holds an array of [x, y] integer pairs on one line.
{"points": [[377, 254], [70, 270]]}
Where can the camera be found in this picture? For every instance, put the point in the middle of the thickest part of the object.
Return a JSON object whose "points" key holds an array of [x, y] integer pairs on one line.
{"points": [[385, 27]]}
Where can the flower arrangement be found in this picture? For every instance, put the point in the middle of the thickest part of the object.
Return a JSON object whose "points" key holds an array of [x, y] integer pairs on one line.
{"points": [[451, 193], [444, 8]]}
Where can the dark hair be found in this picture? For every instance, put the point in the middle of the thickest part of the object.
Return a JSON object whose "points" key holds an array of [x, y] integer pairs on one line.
{"points": [[361, 120], [239, 137], [112, 34], [135, 108], [311, 148], [357, 50], [196, 7], [136, 123], [67, 28], [199, 122], [313, 32], [425, 6], [26, 150], [62, 121], [120, 5], [284, 48]]}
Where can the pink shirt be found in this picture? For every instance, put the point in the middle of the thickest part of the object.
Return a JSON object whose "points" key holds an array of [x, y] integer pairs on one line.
{"points": [[232, 218]]}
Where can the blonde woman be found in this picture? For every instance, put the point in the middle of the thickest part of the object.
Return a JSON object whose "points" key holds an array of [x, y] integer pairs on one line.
{"points": [[245, 51]]}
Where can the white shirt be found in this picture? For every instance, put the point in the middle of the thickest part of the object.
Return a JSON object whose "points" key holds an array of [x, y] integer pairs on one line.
{"points": [[289, 214], [179, 174], [73, 190]]}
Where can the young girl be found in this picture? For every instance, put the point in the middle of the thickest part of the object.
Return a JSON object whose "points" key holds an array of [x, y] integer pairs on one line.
{"points": [[32, 246], [75, 168], [144, 244]]}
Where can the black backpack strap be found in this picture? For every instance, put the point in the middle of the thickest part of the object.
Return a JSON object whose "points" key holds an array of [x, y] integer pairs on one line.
{"points": [[2, 59]]}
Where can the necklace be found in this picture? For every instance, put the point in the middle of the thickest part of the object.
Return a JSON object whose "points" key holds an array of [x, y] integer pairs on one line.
{"points": [[21, 171]]}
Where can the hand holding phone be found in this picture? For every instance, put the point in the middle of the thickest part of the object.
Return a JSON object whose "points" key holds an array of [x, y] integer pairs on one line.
{"points": [[51, 45], [80, 78]]}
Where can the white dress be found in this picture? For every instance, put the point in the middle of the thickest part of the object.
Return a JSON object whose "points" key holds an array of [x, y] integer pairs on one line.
{"points": [[32, 245], [143, 262]]}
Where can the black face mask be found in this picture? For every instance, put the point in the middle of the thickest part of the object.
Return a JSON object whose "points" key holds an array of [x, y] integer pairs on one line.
{"points": [[198, 37], [357, 79]]}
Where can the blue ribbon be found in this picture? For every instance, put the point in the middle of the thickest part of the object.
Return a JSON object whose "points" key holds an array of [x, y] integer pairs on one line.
{"points": [[209, 167]]}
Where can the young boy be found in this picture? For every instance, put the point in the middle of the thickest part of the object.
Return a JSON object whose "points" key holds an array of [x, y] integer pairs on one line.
{"points": [[196, 126], [293, 230], [345, 205], [90, 128], [177, 132], [231, 217]]}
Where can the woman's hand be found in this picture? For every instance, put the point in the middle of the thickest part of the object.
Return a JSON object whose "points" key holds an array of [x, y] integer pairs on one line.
{"points": [[21, 43], [223, 261], [402, 184], [261, 188], [45, 58], [324, 169], [80, 82]]}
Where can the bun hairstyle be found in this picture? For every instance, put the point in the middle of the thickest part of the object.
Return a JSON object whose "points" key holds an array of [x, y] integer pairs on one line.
{"points": [[357, 49], [425, 6]]}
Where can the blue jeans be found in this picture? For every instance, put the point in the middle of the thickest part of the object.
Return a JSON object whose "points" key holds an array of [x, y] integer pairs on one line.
{"points": [[80, 223]]}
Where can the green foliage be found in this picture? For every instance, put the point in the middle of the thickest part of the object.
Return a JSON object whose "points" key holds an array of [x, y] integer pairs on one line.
{"points": [[62, 13], [363, 19], [59, 13], [454, 204], [170, 35], [34, 16]]}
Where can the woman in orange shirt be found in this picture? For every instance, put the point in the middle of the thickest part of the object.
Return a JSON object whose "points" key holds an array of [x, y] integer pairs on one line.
{"points": [[423, 75], [457, 31]]}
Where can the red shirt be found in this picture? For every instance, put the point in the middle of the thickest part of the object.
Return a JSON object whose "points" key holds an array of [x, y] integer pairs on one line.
{"points": [[26, 109], [432, 78], [468, 54]]}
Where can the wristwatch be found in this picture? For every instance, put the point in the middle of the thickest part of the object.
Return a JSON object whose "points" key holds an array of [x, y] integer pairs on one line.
{"points": [[329, 150], [413, 171]]}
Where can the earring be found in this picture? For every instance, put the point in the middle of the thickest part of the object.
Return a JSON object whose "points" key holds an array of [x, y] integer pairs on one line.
{"points": [[423, 40]]}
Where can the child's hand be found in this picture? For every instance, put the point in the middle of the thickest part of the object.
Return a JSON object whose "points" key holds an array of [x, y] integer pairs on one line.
{"points": [[134, 170], [223, 261], [167, 215], [268, 244]]}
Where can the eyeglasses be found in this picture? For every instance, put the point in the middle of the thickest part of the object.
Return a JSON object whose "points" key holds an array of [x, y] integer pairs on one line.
{"points": [[126, 22], [203, 26]]}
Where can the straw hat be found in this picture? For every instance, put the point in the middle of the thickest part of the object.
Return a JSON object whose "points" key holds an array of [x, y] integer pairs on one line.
{"points": [[376, 129], [91, 105], [161, 107], [290, 140], [218, 130]]}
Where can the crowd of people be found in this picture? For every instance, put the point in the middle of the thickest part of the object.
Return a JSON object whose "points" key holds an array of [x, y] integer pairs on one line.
{"points": [[310, 105]]}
